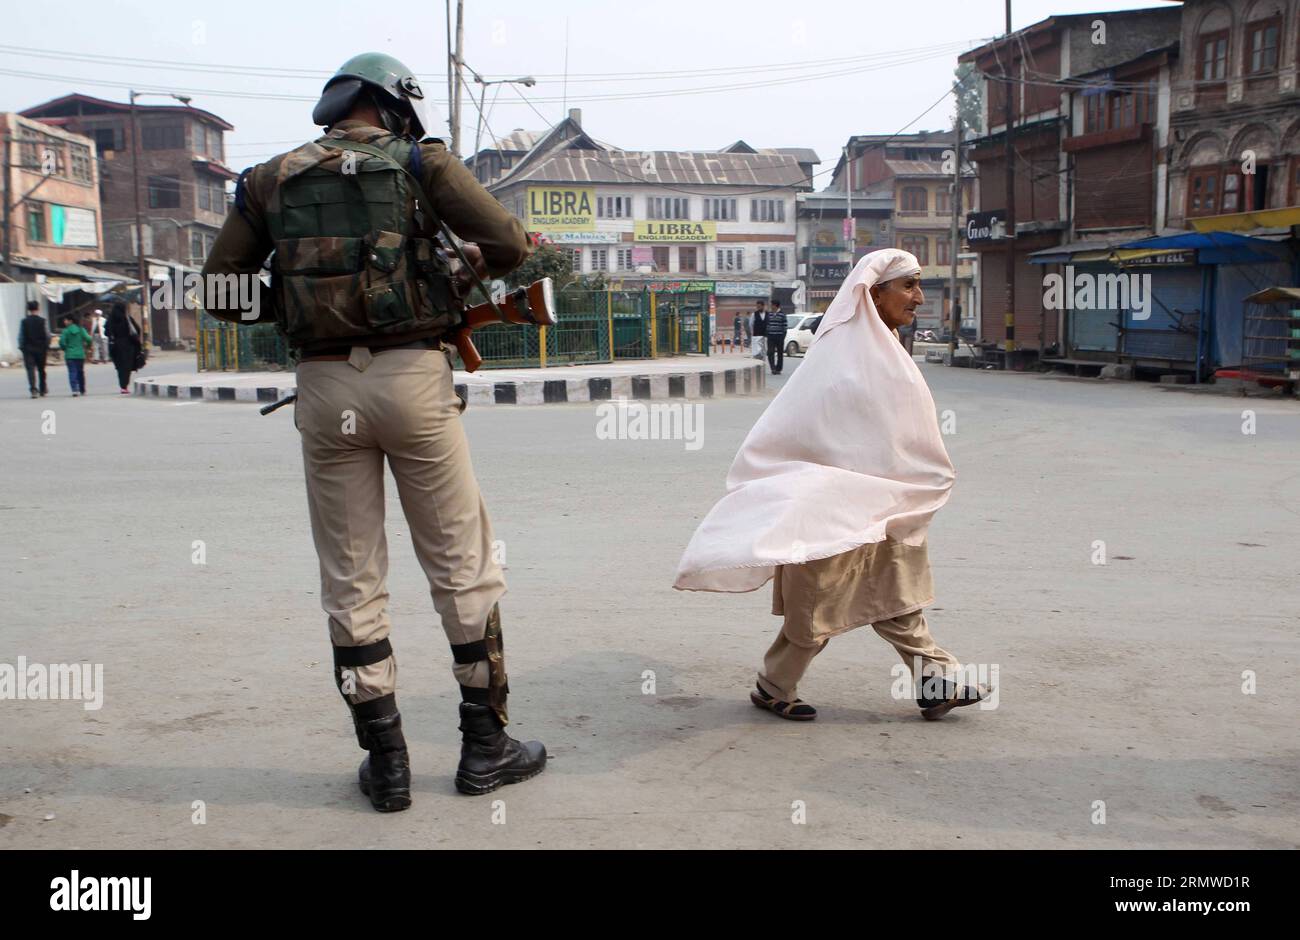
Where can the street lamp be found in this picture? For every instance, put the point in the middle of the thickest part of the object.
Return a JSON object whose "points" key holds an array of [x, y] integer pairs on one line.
{"points": [[527, 81], [137, 154]]}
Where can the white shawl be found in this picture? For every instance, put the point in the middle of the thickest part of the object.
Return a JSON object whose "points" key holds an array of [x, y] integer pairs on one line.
{"points": [[848, 452]]}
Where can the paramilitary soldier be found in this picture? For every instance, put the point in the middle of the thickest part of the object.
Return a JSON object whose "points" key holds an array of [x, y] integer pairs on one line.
{"points": [[362, 290]]}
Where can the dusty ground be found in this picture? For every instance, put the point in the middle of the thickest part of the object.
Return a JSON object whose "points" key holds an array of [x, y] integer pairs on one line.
{"points": [[1120, 683]]}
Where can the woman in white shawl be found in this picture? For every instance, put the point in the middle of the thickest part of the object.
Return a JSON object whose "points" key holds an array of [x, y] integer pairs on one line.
{"points": [[831, 495]]}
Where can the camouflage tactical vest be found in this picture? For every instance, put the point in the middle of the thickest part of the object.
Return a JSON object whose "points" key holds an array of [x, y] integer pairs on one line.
{"points": [[352, 257]]}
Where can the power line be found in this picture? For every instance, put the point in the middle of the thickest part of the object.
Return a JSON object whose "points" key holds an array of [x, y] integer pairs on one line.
{"points": [[616, 96], [807, 179], [579, 78]]}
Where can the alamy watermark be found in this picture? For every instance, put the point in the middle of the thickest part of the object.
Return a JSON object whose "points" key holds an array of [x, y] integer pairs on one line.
{"points": [[77, 682], [1088, 291], [971, 680], [224, 292], [623, 420]]}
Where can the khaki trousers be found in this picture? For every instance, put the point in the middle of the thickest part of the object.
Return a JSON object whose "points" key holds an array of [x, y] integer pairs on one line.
{"points": [[400, 405], [885, 584]]}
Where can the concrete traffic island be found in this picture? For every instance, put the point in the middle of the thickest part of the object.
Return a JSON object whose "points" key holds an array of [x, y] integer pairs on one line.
{"points": [[675, 377]]}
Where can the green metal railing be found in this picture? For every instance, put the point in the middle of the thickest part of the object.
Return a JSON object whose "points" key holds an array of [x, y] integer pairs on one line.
{"points": [[593, 326]]}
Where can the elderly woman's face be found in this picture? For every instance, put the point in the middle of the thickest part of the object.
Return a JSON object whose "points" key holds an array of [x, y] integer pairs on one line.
{"points": [[898, 299]]}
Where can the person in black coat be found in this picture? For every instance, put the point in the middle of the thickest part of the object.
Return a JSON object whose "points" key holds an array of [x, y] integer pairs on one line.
{"points": [[34, 343], [758, 329], [776, 329], [124, 345]]}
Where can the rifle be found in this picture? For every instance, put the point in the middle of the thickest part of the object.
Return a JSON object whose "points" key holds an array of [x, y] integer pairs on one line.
{"points": [[534, 304]]}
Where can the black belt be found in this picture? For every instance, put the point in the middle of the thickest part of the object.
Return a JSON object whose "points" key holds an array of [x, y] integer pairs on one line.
{"points": [[344, 352]]}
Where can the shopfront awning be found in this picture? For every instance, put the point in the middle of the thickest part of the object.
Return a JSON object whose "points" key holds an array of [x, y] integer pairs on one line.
{"points": [[1213, 247], [1271, 295], [1248, 221]]}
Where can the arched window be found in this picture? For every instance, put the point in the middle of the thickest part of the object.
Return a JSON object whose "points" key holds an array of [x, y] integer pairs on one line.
{"points": [[1212, 47], [1263, 38]]}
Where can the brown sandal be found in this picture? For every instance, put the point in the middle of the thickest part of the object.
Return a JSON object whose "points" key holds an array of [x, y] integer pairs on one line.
{"points": [[798, 710]]}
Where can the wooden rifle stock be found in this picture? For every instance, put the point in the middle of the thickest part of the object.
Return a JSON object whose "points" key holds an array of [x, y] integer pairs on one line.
{"points": [[534, 304]]}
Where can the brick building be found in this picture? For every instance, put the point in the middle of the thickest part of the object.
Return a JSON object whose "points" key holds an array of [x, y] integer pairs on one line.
{"points": [[716, 225], [53, 191], [1096, 184], [183, 174], [914, 172], [183, 187], [1235, 109]]}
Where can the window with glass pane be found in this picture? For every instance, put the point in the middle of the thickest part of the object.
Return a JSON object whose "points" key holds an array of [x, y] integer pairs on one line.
{"points": [[625, 259], [164, 192], [196, 247], [81, 163], [205, 195], [600, 259], [36, 222], [1214, 57], [943, 250], [1203, 191], [686, 258], [1231, 192], [660, 254], [1262, 45], [914, 199], [917, 245], [163, 136]]}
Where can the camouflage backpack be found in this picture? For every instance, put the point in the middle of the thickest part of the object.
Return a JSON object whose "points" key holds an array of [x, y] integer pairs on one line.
{"points": [[352, 257]]}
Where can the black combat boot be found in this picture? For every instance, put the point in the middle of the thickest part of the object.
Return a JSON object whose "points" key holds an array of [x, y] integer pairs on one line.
{"points": [[385, 774], [488, 756]]}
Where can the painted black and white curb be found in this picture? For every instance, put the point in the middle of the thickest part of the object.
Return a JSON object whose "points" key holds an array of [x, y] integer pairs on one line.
{"points": [[739, 380], [152, 389]]}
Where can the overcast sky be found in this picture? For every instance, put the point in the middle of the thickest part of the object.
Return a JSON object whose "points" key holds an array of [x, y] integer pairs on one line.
{"points": [[890, 62]]}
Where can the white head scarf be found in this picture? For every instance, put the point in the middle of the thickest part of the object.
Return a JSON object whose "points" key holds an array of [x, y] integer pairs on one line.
{"points": [[849, 452]]}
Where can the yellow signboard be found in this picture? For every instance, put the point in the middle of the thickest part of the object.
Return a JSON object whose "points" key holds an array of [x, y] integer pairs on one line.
{"points": [[566, 208], [676, 232]]}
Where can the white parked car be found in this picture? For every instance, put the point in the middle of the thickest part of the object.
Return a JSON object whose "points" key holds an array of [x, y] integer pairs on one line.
{"points": [[801, 333]]}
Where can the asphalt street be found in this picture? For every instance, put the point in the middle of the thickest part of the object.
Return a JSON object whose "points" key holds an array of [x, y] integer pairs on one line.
{"points": [[1124, 687]]}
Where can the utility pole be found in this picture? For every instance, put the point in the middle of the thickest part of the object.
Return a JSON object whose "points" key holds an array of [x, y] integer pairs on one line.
{"points": [[451, 67], [953, 318], [7, 243], [459, 78], [850, 231], [1011, 85], [137, 154]]}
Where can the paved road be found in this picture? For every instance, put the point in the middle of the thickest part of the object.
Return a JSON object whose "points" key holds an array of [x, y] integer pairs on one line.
{"points": [[1119, 683]]}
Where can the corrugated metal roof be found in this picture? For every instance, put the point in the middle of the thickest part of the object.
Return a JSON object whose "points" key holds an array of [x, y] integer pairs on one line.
{"points": [[802, 154], [915, 167], [670, 167], [519, 139]]}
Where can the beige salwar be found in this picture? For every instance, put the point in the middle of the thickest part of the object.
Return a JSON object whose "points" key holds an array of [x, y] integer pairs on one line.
{"points": [[885, 584]]}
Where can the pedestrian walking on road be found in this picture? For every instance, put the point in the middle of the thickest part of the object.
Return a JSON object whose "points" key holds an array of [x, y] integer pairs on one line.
{"points": [[776, 330], [758, 327], [831, 496], [34, 344], [373, 260], [740, 333], [99, 333], [125, 346], [75, 341]]}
